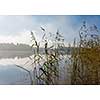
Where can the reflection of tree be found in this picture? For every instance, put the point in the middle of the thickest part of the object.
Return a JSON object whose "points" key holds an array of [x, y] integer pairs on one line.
{"points": [[13, 54]]}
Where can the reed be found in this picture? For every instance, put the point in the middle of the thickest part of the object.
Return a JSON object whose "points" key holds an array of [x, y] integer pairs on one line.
{"points": [[82, 66], [86, 58], [46, 66]]}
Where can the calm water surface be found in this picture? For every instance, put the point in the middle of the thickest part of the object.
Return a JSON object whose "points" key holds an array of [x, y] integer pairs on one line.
{"points": [[9, 72]]}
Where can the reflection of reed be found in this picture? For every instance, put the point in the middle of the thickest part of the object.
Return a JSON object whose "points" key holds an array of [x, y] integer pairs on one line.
{"points": [[20, 83], [27, 72], [23, 81]]}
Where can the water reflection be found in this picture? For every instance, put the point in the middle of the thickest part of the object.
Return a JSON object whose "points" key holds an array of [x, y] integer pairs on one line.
{"points": [[14, 54], [9, 72]]}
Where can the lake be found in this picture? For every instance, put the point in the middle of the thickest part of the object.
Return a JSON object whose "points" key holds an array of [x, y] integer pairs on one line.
{"points": [[10, 74]]}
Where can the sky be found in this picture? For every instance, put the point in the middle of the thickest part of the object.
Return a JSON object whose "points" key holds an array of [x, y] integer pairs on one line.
{"points": [[16, 28]]}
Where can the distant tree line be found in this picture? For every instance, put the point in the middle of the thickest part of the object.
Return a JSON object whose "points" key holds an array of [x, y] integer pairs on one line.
{"points": [[17, 47]]}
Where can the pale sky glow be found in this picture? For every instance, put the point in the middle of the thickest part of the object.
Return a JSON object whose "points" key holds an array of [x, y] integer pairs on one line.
{"points": [[22, 37], [15, 29]]}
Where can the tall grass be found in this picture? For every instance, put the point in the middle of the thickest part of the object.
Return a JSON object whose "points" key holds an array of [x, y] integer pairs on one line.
{"points": [[86, 57], [82, 66], [46, 66]]}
